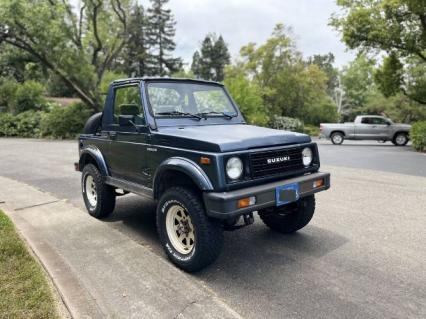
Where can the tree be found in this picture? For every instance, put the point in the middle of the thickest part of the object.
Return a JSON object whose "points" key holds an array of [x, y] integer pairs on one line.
{"points": [[161, 32], [358, 83], [325, 63], [395, 27], [248, 96], [76, 44], [210, 63], [290, 87], [135, 58]]}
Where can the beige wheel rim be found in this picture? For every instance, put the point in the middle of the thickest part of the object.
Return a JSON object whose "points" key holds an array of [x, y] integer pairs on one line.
{"points": [[90, 189], [180, 229]]}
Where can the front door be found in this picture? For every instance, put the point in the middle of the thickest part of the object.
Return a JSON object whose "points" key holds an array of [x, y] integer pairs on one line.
{"points": [[129, 136]]}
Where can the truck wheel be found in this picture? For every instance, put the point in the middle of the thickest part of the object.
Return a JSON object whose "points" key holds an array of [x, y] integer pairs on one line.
{"points": [[337, 138], [189, 237], [99, 198], [289, 218], [400, 139]]}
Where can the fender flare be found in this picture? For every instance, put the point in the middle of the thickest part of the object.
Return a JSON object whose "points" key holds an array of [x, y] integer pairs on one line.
{"points": [[186, 166], [96, 154]]}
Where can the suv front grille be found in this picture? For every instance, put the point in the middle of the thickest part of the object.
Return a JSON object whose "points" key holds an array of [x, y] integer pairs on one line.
{"points": [[275, 162]]}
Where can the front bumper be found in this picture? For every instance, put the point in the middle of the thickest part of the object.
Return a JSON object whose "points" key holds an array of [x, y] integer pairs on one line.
{"points": [[225, 205]]}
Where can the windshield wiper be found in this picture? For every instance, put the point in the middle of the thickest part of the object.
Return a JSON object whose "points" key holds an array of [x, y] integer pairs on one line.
{"points": [[180, 113], [227, 115]]}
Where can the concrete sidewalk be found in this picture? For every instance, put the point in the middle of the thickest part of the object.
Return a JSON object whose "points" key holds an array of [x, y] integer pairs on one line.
{"points": [[98, 271]]}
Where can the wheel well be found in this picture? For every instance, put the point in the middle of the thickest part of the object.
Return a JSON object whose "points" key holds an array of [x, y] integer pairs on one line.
{"points": [[171, 178], [398, 132], [343, 133], [87, 159]]}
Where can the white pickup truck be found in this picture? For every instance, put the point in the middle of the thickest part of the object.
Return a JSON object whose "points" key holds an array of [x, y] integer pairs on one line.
{"points": [[367, 127]]}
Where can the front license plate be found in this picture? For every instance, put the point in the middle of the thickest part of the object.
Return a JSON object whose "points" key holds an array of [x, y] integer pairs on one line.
{"points": [[286, 194]]}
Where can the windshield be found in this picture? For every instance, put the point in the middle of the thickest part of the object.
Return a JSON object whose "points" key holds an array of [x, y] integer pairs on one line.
{"points": [[184, 99]]}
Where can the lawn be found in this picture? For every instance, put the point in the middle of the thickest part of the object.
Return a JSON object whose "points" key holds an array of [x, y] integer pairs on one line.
{"points": [[24, 289]]}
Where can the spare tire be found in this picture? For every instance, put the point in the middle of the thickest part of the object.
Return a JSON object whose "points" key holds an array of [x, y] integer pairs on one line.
{"points": [[93, 124]]}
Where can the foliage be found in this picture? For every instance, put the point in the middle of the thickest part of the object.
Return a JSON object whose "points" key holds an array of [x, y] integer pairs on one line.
{"points": [[28, 124], [20, 97], [28, 96], [77, 44], [8, 87], [396, 27], [160, 38], [8, 125], [64, 122], [247, 95], [399, 108], [24, 290], [210, 62], [290, 87], [287, 124], [311, 130], [325, 63], [136, 57], [418, 136]]}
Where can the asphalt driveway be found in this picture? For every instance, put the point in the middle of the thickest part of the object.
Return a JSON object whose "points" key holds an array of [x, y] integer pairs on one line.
{"points": [[363, 255]]}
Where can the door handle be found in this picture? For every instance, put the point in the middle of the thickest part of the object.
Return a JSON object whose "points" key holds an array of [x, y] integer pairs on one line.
{"points": [[112, 134]]}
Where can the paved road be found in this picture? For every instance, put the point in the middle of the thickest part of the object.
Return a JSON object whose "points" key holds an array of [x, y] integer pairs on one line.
{"points": [[363, 255], [373, 155]]}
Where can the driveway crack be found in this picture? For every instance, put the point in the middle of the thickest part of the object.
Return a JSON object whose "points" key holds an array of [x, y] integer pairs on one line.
{"points": [[37, 205]]}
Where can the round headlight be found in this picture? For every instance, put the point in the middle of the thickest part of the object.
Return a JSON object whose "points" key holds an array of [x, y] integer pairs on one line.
{"points": [[307, 156], [234, 168]]}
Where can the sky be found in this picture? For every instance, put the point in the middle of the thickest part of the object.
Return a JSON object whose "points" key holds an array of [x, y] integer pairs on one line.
{"points": [[244, 21]]}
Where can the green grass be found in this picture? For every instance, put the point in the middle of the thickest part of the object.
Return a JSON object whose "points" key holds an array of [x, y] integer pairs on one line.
{"points": [[24, 290]]}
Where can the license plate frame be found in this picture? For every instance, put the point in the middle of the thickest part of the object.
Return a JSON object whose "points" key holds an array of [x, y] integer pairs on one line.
{"points": [[286, 194]]}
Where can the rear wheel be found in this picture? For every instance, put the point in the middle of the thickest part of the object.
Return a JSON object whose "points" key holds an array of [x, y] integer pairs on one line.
{"points": [[189, 237], [400, 139], [289, 218], [99, 198], [337, 138]]}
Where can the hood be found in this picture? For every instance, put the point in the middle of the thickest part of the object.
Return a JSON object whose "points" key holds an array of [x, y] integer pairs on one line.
{"points": [[225, 138]]}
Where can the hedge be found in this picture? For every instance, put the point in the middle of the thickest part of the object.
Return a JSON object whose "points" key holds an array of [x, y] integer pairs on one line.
{"points": [[418, 136], [57, 122]]}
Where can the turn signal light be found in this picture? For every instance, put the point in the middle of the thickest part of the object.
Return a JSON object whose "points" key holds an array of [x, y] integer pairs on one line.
{"points": [[246, 202], [205, 160], [318, 183]]}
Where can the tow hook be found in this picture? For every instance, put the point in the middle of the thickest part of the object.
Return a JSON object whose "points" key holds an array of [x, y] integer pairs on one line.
{"points": [[234, 224], [248, 219]]}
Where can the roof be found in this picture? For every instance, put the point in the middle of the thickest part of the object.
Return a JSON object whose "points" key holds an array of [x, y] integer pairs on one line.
{"points": [[164, 79]]}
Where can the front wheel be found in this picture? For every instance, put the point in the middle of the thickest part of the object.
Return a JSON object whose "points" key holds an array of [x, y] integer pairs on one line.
{"points": [[99, 198], [400, 139], [189, 237], [289, 218]]}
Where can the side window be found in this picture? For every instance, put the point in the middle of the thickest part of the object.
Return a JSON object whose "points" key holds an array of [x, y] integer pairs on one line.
{"points": [[128, 105], [366, 120], [379, 121]]}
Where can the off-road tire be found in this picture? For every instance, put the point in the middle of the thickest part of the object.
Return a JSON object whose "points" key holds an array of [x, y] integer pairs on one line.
{"points": [[337, 138], [291, 217], [93, 124], [105, 194], [208, 232], [400, 139]]}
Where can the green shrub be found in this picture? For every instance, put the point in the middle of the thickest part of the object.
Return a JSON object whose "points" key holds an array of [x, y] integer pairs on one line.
{"points": [[28, 123], [8, 89], [28, 96], [418, 136], [64, 122], [311, 130], [287, 123], [25, 124], [8, 125]]}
